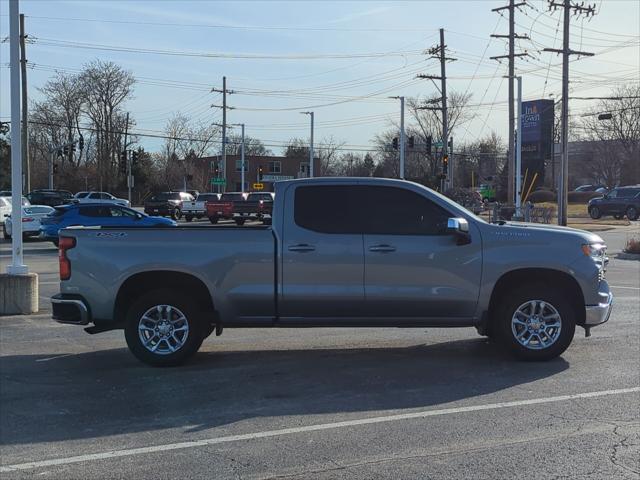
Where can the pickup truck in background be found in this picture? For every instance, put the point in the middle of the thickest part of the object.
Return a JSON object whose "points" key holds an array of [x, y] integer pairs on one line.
{"points": [[342, 252], [257, 206], [167, 204], [225, 208], [197, 208]]}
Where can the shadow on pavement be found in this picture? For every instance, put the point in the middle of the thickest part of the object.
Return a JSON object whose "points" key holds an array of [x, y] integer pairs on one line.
{"points": [[108, 392]]}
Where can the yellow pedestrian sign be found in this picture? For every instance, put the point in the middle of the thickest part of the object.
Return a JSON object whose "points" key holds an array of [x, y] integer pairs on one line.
{"points": [[258, 186]]}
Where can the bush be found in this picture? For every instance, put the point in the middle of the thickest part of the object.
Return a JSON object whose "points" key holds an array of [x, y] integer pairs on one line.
{"points": [[632, 246], [542, 196], [582, 197]]}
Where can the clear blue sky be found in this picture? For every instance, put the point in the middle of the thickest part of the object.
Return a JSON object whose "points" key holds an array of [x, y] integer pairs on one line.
{"points": [[282, 55]]}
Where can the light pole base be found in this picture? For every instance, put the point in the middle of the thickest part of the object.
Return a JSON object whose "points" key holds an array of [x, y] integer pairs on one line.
{"points": [[18, 294]]}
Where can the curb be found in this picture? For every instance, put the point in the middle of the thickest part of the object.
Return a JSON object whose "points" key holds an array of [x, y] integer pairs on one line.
{"points": [[628, 256]]}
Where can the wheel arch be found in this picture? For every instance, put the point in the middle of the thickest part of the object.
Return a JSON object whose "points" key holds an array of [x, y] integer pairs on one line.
{"points": [[143, 282], [545, 276]]}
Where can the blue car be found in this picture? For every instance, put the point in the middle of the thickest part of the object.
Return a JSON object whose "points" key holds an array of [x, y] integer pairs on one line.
{"points": [[96, 214]]}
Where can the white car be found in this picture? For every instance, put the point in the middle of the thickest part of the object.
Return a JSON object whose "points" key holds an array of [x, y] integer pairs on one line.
{"points": [[100, 197], [6, 207], [31, 216], [198, 207]]}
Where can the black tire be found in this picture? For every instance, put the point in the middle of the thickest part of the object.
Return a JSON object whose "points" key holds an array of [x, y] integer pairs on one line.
{"points": [[55, 242], [5, 235], [176, 214], [618, 216], [239, 221], [595, 213], [632, 213], [506, 331], [179, 301], [266, 221], [188, 218], [213, 220]]}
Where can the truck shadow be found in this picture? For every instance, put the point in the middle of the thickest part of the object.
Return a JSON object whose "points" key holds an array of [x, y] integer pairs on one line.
{"points": [[106, 393]]}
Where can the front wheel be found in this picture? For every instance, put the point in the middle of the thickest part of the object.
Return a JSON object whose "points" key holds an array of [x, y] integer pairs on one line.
{"points": [[188, 218], [213, 220], [163, 329], [535, 322], [595, 213], [632, 213], [239, 221], [176, 214]]}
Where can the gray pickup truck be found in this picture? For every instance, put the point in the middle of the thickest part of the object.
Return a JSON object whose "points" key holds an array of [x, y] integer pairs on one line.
{"points": [[340, 252]]}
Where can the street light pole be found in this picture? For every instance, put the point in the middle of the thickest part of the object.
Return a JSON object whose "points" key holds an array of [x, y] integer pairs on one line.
{"points": [[17, 266], [310, 145], [519, 151], [401, 135], [242, 164]]}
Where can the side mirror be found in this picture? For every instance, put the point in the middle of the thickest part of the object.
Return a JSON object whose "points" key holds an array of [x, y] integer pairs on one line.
{"points": [[7, 215], [460, 228], [139, 216]]}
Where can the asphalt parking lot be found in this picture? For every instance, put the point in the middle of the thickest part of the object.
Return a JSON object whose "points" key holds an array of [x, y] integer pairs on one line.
{"points": [[320, 403]]}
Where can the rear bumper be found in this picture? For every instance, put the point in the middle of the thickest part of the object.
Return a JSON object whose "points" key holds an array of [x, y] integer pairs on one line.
{"points": [[70, 309]]}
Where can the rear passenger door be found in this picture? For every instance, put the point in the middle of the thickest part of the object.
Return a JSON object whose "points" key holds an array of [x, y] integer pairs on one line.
{"points": [[322, 265]]}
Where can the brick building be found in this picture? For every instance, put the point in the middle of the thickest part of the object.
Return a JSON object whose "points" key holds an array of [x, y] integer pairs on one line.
{"points": [[273, 169]]}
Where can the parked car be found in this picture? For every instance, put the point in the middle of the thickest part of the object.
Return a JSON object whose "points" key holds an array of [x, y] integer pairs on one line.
{"points": [[591, 188], [167, 204], [618, 202], [487, 193], [342, 252], [258, 205], [96, 214], [197, 208], [100, 197], [6, 207], [51, 198], [225, 207], [31, 216]]}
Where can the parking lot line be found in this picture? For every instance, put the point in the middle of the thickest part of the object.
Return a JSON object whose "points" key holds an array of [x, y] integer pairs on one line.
{"points": [[620, 286], [309, 428]]}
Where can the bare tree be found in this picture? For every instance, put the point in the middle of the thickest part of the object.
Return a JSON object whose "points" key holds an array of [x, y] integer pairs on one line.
{"points": [[106, 87], [326, 154], [252, 146]]}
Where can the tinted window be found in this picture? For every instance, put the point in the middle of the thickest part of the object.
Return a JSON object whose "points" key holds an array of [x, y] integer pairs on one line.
{"points": [[95, 211], [369, 210], [232, 197], [207, 197], [95, 196], [326, 209], [628, 192], [260, 196], [121, 212], [397, 211]]}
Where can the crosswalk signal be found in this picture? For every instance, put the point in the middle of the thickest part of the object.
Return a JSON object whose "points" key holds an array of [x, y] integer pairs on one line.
{"points": [[216, 170], [411, 142], [260, 170], [395, 143], [55, 168]]}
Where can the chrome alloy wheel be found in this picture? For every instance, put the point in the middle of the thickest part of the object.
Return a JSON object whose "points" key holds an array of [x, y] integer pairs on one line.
{"points": [[536, 324], [163, 329]]}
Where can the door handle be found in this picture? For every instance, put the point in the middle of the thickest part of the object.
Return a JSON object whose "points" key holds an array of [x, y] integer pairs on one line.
{"points": [[301, 247], [382, 248]]}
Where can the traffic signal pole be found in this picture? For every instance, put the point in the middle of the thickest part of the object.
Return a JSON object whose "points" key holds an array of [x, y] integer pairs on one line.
{"points": [[242, 164]]}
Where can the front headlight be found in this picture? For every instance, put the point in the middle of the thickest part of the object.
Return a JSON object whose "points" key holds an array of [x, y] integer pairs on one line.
{"points": [[597, 252]]}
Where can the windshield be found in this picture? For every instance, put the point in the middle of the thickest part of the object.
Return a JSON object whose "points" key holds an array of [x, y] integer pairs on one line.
{"points": [[207, 197], [260, 196]]}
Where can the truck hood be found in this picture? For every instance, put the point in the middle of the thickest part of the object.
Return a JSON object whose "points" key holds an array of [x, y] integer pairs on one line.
{"points": [[552, 232]]}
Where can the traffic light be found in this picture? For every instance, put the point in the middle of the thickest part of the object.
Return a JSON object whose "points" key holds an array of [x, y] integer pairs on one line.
{"points": [[445, 164], [429, 139], [260, 168], [216, 170], [411, 142], [55, 168], [134, 157], [395, 143], [81, 143], [450, 144]]}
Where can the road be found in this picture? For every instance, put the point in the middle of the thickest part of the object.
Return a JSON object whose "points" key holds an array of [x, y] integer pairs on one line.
{"points": [[320, 403]]}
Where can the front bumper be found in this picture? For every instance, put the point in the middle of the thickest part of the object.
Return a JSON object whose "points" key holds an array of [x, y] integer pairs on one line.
{"points": [[70, 309], [599, 314]]}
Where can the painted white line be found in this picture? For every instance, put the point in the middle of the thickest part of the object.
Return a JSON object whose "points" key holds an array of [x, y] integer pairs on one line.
{"points": [[49, 283], [620, 286], [53, 358], [310, 428]]}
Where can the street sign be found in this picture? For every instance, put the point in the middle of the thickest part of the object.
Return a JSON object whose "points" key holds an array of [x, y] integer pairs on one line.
{"points": [[218, 181], [437, 144], [276, 178], [258, 186]]}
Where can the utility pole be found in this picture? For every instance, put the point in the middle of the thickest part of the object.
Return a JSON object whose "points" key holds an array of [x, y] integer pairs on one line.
{"points": [[242, 164], [224, 107], [519, 152], [511, 56], [126, 131], [25, 111], [402, 140], [310, 145], [566, 51], [439, 52]]}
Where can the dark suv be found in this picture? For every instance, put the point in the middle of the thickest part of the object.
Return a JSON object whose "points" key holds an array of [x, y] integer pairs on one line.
{"points": [[167, 204], [618, 202], [52, 198]]}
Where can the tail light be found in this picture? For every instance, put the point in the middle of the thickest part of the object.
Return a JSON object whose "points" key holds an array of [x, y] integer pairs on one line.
{"points": [[27, 219], [64, 244]]}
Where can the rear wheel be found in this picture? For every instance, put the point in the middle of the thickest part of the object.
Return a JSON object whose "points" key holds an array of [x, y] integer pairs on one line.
{"points": [[595, 213], [535, 322], [239, 221], [632, 213], [188, 218], [163, 329], [176, 214], [213, 220]]}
